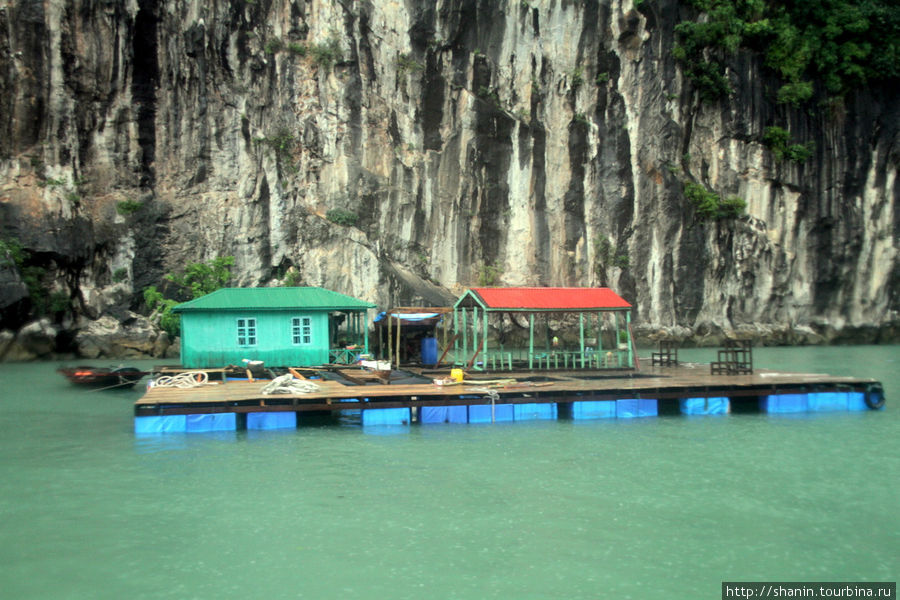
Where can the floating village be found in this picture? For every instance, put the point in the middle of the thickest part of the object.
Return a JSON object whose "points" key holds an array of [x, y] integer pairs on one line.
{"points": [[275, 358]]}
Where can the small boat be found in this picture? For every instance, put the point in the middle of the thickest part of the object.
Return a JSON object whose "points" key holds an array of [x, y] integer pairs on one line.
{"points": [[103, 376]]}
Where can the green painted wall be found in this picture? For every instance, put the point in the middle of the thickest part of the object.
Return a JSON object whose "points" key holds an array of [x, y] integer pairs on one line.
{"points": [[210, 339]]}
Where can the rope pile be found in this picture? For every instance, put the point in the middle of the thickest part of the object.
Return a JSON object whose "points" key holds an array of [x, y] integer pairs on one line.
{"points": [[182, 380], [286, 384], [485, 382]]}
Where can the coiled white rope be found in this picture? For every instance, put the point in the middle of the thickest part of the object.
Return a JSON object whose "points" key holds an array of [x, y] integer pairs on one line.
{"points": [[492, 395], [286, 384], [182, 380]]}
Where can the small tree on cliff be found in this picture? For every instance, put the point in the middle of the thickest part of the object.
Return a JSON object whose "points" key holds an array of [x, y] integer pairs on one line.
{"points": [[198, 279]]}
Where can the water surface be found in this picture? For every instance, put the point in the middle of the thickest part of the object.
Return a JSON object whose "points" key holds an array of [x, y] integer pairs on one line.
{"points": [[664, 507]]}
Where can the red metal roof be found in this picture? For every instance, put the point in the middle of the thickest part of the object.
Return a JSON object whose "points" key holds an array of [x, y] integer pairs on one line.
{"points": [[550, 298]]}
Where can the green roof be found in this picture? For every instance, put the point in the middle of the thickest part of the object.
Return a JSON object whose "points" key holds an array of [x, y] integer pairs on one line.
{"points": [[275, 298]]}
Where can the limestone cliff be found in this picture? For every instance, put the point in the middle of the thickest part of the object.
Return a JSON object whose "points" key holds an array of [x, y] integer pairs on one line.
{"points": [[399, 151]]}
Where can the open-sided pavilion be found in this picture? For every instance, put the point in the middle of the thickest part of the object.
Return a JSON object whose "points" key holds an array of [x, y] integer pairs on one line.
{"points": [[598, 310]]}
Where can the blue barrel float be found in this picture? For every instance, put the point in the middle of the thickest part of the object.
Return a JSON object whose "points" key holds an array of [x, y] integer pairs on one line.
{"points": [[872, 398]]}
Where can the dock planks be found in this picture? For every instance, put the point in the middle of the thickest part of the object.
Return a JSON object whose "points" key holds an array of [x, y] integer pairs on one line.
{"points": [[658, 382]]}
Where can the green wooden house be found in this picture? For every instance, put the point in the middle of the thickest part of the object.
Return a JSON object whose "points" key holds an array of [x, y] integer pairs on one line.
{"points": [[283, 327]]}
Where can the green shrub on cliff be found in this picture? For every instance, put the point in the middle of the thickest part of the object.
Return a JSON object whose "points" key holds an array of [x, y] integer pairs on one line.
{"points": [[842, 44], [11, 253], [778, 140], [342, 216], [489, 275], [128, 207], [607, 256], [327, 54], [710, 205], [204, 278], [273, 46], [161, 311], [198, 279], [14, 255], [282, 143]]}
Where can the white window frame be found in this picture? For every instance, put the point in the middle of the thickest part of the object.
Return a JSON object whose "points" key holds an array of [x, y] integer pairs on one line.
{"points": [[246, 332], [301, 331]]}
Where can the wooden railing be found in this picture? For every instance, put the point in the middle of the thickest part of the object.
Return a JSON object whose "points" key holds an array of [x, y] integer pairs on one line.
{"points": [[344, 356], [506, 359]]}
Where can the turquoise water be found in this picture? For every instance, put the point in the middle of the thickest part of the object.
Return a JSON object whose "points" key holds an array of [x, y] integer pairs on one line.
{"points": [[663, 507]]}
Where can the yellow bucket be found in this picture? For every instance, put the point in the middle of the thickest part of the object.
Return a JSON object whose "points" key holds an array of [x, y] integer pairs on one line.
{"points": [[456, 374]]}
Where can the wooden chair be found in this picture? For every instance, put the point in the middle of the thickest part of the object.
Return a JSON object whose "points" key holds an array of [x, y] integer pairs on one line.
{"points": [[667, 355], [736, 358]]}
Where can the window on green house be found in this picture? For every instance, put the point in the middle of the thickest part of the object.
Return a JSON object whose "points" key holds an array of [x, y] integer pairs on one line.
{"points": [[246, 332], [301, 330]]}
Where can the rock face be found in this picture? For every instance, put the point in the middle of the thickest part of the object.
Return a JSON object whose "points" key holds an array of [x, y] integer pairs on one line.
{"points": [[130, 337], [399, 152], [35, 340]]}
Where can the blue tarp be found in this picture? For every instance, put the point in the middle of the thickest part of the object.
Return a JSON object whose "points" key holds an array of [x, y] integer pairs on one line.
{"points": [[635, 407], [272, 420], [164, 424], [828, 401], [594, 409], [407, 316], [481, 413], [385, 416], [214, 422], [445, 414], [784, 403], [836, 401], [856, 401], [531, 411], [704, 406]]}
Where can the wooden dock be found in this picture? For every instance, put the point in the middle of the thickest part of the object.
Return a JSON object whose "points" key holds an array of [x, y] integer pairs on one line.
{"points": [[360, 390]]}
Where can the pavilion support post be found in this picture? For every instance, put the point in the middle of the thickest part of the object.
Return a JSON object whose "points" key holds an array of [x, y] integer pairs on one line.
{"points": [[456, 335], [630, 341], [445, 323], [465, 339], [474, 333], [366, 333], [390, 339], [530, 341], [599, 339], [398, 341], [581, 336], [600, 332], [616, 341], [484, 337], [547, 332]]}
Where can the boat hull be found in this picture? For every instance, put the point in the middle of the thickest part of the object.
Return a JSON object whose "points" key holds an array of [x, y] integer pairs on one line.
{"points": [[102, 376]]}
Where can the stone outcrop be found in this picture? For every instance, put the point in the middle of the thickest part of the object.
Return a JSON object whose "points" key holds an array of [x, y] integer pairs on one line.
{"points": [[34, 340], [129, 336], [399, 152]]}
